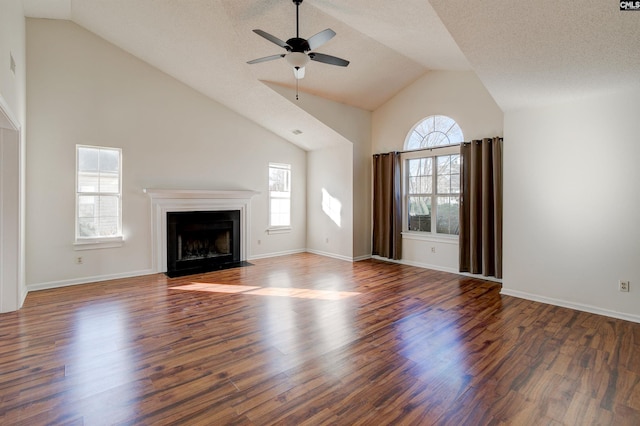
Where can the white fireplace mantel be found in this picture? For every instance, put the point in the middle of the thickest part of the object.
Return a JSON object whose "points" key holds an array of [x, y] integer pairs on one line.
{"points": [[164, 201]]}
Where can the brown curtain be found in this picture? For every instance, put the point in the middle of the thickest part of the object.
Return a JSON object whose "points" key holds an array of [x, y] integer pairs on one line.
{"points": [[481, 207], [387, 206]]}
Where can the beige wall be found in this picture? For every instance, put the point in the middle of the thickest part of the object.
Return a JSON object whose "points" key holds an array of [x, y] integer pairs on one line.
{"points": [[83, 90], [457, 94], [571, 207], [12, 288], [346, 169], [12, 42], [12, 153], [329, 195]]}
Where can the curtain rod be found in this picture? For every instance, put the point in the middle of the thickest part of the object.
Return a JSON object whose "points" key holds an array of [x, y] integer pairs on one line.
{"points": [[431, 148], [437, 147], [422, 149]]}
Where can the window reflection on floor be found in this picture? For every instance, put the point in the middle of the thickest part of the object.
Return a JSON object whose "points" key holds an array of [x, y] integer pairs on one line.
{"points": [[434, 344], [101, 362]]}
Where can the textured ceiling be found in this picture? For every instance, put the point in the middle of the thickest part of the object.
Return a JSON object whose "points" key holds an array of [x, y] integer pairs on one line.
{"points": [[526, 53], [546, 51], [206, 44]]}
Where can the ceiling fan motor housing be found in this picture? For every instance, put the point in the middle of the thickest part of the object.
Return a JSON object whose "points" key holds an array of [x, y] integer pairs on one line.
{"points": [[298, 44]]}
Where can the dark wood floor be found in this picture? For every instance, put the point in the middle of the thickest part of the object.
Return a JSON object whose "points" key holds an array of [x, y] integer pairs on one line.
{"points": [[308, 340]]}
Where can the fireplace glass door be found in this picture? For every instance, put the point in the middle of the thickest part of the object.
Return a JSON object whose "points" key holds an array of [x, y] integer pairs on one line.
{"points": [[202, 241]]}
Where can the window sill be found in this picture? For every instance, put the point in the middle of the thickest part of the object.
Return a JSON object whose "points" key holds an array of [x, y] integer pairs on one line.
{"points": [[279, 230], [102, 243], [425, 236]]}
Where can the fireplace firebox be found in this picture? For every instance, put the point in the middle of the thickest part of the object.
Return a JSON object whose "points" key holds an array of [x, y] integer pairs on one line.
{"points": [[202, 241]]}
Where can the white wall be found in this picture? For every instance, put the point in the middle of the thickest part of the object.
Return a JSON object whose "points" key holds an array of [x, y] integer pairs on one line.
{"points": [[457, 94], [12, 149], [83, 90], [354, 127], [572, 204]]}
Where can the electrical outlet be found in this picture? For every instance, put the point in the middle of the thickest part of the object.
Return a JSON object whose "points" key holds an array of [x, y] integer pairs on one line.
{"points": [[623, 285], [79, 260], [433, 249]]}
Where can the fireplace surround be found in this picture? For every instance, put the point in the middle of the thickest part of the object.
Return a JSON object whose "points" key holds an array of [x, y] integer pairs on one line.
{"points": [[166, 201]]}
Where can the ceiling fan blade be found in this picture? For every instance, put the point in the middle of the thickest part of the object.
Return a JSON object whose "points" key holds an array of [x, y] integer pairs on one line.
{"points": [[272, 39], [321, 38], [266, 58], [298, 73], [328, 59]]}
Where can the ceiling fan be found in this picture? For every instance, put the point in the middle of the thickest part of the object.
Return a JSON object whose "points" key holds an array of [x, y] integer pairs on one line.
{"points": [[299, 50]]}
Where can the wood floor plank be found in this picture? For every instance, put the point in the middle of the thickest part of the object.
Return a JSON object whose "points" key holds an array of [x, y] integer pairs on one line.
{"points": [[305, 339]]}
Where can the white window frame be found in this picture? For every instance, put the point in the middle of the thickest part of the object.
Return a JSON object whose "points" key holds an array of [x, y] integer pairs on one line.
{"points": [[88, 243], [412, 155], [438, 135], [278, 229]]}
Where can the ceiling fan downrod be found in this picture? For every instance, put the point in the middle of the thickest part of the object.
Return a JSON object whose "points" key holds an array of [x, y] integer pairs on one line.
{"points": [[297, 2]]}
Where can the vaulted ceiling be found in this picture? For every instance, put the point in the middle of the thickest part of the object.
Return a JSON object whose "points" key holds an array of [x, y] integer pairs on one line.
{"points": [[526, 53]]}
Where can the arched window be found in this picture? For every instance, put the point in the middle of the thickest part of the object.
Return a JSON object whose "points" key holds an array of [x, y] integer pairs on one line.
{"points": [[432, 177], [436, 130]]}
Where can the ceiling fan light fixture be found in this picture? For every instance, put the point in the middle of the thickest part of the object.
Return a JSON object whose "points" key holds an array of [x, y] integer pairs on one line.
{"points": [[297, 59], [298, 73]]}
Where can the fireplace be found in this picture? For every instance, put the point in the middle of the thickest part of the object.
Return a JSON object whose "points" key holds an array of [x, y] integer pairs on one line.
{"points": [[202, 241], [183, 201]]}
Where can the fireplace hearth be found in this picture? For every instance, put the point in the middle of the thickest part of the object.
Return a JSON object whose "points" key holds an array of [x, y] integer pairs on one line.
{"points": [[202, 241]]}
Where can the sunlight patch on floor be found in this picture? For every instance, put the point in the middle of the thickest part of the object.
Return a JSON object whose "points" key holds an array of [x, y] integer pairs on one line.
{"points": [[299, 293]]}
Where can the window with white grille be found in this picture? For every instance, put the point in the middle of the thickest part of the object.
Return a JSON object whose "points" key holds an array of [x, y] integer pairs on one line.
{"points": [[279, 195], [98, 193], [432, 176]]}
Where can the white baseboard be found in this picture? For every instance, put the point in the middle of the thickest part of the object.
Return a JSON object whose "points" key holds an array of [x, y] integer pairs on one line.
{"points": [[359, 258], [98, 278], [23, 296], [87, 280], [318, 252], [506, 292], [332, 255], [524, 295], [276, 254], [423, 265], [571, 305], [417, 264], [437, 268]]}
